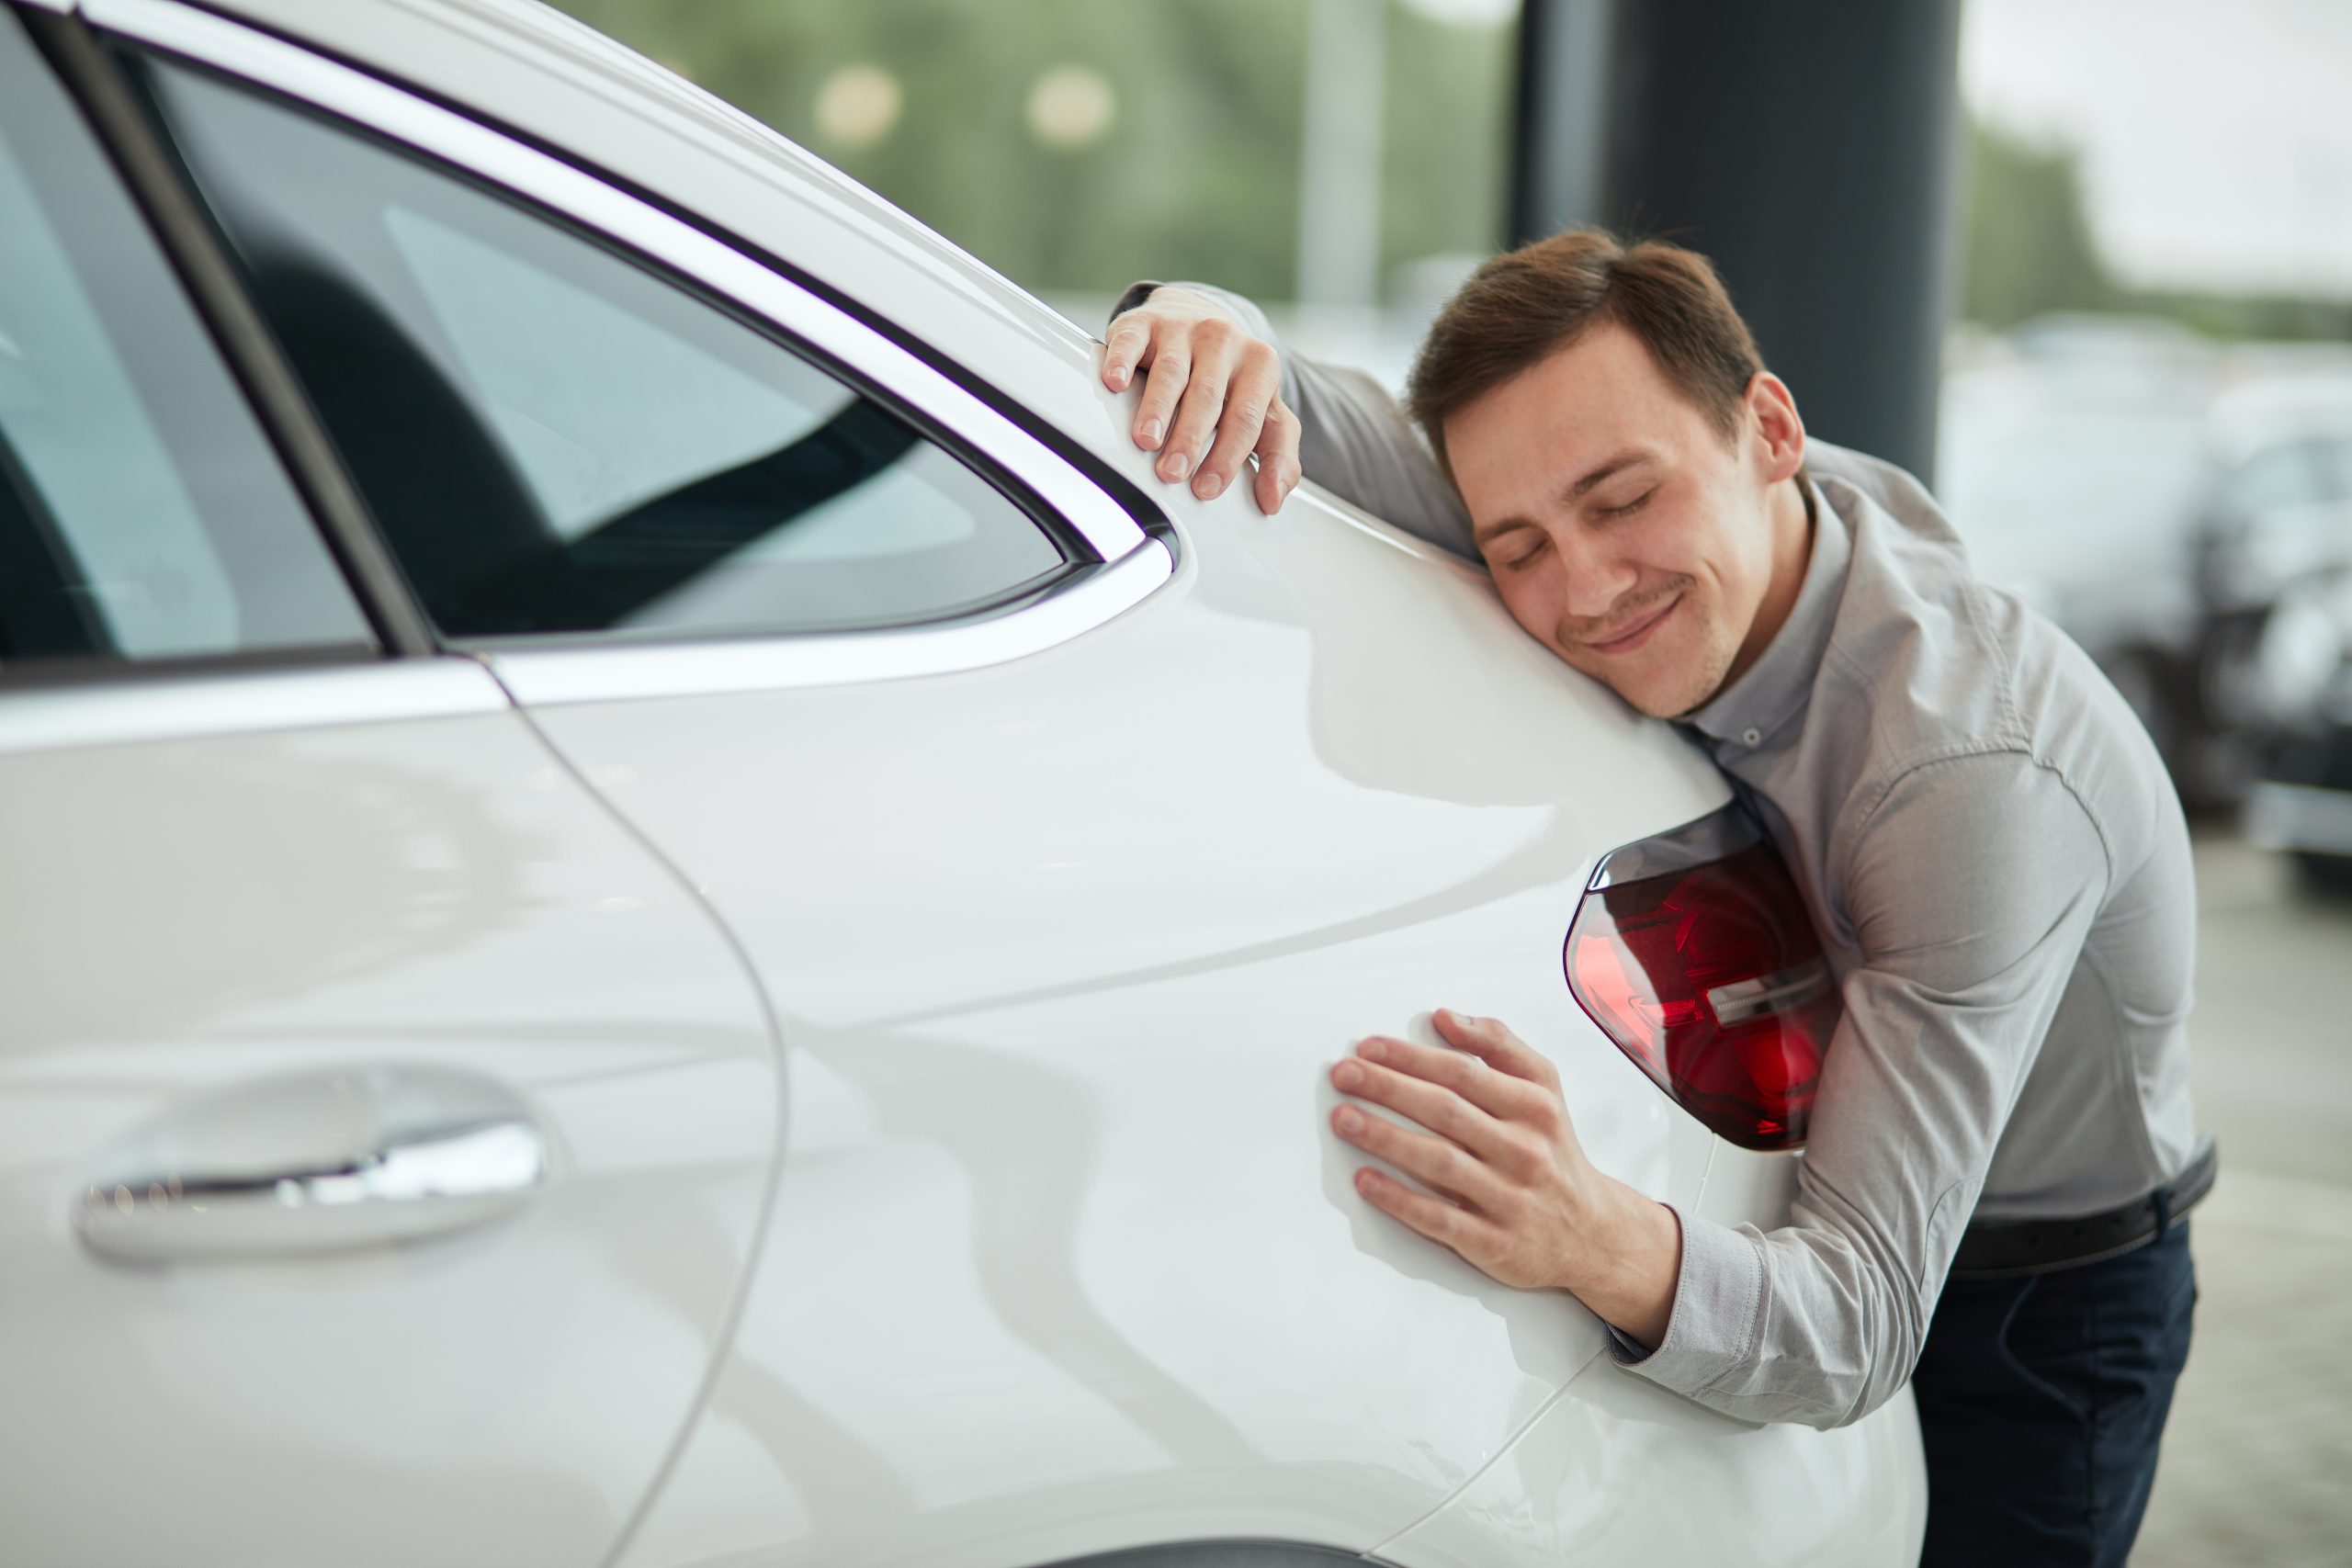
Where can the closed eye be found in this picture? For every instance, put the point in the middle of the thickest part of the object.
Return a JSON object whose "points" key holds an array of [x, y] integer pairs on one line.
{"points": [[1528, 555], [1632, 506]]}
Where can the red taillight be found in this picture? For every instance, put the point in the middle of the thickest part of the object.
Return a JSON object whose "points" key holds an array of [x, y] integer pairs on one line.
{"points": [[1693, 952]]}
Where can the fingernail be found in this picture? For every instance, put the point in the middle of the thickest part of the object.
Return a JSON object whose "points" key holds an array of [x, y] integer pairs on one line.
{"points": [[1347, 1121], [1207, 487], [1347, 1074], [1178, 465], [1150, 432], [1371, 1050]]}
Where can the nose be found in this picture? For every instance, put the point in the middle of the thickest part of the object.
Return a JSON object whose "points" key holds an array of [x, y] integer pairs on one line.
{"points": [[1597, 574]]}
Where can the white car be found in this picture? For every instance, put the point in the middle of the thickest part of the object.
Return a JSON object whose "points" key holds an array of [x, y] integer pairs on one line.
{"points": [[659, 911]]}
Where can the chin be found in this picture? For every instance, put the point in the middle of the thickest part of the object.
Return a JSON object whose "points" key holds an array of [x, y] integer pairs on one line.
{"points": [[1670, 705], [1671, 693]]}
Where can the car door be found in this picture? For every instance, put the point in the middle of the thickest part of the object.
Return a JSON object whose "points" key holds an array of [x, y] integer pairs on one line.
{"points": [[384, 1130], [1071, 851]]}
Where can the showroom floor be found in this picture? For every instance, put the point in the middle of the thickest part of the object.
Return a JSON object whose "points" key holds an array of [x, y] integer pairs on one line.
{"points": [[2257, 1460]]}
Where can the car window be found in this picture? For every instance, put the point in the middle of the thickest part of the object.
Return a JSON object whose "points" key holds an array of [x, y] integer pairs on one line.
{"points": [[143, 515], [2059, 494], [2335, 458], [556, 440], [2275, 476]]}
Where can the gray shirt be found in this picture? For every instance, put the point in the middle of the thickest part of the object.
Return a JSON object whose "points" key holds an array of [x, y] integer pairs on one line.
{"points": [[1999, 873]]}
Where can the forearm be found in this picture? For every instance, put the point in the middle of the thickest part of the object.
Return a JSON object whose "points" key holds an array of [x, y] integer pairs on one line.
{"points": [[1800, 1325]]}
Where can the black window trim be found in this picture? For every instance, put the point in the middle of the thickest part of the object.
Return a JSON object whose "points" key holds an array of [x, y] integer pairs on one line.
{"points": [[151, 174]]}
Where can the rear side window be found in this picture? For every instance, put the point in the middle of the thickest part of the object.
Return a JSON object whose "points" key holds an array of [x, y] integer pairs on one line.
{"points": [[557, 441], [143, 515]]}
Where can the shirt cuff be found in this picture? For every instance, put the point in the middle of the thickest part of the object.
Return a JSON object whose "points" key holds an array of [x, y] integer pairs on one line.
{"points": [[1718, 1311], [1138, 292]]}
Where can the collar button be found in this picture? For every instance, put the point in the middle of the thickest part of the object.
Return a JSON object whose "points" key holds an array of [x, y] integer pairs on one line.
{"points": [[1751, 735]]}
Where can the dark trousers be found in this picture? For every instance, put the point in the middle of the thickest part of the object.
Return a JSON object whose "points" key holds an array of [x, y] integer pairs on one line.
{"points": [[2041, 1399]]}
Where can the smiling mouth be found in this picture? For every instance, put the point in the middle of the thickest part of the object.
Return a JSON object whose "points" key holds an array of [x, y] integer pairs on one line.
{"points": [[1632, 637]]}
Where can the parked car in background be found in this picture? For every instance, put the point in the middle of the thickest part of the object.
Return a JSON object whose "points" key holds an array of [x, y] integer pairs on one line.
{"points": [[2276, 523], [2157, 501], [661, 912], [2075, 479], [2304, 678], [2279, 509]]}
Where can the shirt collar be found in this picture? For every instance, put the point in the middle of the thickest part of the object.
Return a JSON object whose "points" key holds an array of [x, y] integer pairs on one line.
{"points": [[1774, 689]]}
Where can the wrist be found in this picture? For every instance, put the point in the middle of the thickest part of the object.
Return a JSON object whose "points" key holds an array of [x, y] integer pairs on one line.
{"points": [[1627, 1258]]}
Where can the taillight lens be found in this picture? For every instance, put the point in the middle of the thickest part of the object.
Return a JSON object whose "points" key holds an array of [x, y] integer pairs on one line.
{"points": [[1693, 952]]}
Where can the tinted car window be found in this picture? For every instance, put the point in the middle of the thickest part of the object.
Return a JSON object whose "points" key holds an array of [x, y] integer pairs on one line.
{"points": [[554, 439], [144, 515], [2285, 475]]}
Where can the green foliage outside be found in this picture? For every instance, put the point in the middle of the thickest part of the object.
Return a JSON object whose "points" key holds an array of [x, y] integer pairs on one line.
{"points": [[2027, 236], [1197, 173], [2030, 249]]}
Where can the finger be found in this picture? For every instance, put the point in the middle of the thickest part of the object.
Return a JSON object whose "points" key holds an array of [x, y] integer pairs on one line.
{"points": [[1124, 352], [1171, 367], [1495, 1093], [1277, 457], [1443, 1223], [1440, 1110], [1248, 397], [1188, 437], [1438, 1162], [1487, 1038]]}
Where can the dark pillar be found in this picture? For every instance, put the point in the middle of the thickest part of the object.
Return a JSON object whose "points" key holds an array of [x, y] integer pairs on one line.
{"points": [[1808, 150], [1560, 127]]}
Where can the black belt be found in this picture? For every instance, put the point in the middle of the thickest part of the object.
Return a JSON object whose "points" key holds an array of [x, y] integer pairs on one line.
{"points": [[1991, 1249]]}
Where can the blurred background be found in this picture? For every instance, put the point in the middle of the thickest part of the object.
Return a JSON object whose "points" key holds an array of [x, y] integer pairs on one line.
{"points": [[2087, 264]]}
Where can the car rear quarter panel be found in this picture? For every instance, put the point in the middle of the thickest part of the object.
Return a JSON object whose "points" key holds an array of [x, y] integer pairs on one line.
{"points": [[1064, 1257]]}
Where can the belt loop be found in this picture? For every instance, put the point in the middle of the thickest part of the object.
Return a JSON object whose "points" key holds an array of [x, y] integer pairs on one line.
{"points": [[2163, 1196]]}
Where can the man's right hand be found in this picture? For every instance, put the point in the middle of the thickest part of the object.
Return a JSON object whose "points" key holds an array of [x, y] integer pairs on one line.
{"points": [[1212, 395]]}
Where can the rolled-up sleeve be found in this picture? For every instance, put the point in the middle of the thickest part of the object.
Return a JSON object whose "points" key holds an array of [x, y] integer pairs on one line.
{"points": [[1355, 442], [1970, 886]]}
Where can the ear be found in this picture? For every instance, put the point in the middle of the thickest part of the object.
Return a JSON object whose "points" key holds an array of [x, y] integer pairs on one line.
{"points": [[1779, 433]]}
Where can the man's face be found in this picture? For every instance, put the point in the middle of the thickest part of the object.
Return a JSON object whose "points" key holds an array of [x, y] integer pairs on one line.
{"points": [[1625, 532]]}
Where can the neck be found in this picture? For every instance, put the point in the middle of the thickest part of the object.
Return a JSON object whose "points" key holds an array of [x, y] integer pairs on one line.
{"points": [[1789, 510]]}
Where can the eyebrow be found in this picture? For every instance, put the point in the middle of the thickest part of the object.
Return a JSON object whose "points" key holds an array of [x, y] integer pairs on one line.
{"points": [[1616, 462]]}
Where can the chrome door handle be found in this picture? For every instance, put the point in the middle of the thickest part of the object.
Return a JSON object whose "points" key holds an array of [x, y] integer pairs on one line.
{"points": [[315, 1161]]}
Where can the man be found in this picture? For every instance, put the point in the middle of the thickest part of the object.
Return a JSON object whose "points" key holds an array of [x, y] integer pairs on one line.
{"points": [[1990, 849]]}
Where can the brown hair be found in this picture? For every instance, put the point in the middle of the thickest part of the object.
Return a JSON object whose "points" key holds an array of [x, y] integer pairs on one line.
{"points": [[1520, 307]]}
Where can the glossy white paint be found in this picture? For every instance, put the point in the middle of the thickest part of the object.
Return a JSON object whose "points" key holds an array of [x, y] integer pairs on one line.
{"points": [[1616, 1471], [1062, 1259], [35, 719], [189, 920], [1063, 948]]}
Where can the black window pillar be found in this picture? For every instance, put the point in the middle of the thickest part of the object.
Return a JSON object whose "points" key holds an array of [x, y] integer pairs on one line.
{"points": [[1808, 150]]}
